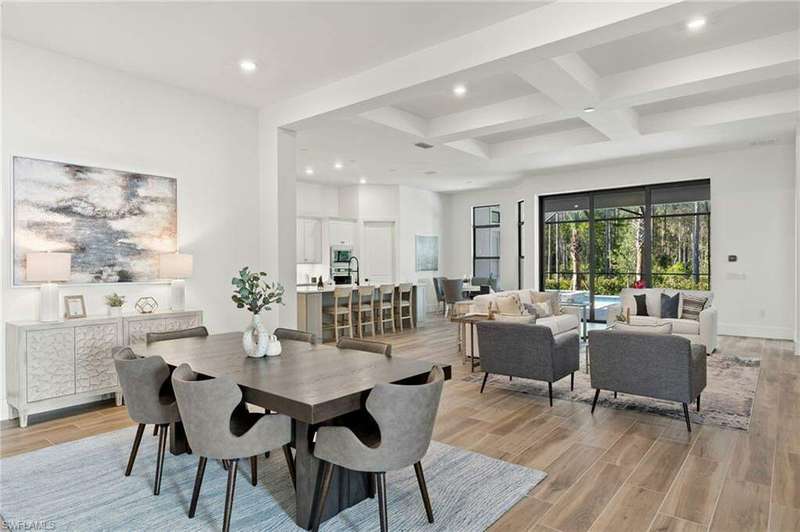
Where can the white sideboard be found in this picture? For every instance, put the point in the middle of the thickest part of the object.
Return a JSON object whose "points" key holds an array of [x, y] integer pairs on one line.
{"points": [[55, 365]]}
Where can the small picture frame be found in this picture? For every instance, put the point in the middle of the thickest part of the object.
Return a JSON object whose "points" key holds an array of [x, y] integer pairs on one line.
{"points": [[74, 307]]}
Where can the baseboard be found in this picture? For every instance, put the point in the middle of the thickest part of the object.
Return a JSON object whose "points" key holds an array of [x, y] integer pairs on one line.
{"points": [[756, 331]]}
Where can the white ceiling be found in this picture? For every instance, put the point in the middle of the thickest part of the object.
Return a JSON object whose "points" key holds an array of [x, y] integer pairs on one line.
{"points": [[298, 46]]}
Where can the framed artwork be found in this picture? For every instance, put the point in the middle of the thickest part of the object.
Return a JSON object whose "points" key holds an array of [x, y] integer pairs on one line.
{"points": [[115, 223], [427, 250], [74, 307]]}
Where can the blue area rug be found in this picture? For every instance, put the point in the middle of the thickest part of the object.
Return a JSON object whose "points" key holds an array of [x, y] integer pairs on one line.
{"points": [[80, 486]]}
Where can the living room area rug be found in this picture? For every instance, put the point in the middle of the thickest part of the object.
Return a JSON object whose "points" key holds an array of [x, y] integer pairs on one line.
{"points": [[727, 400], [80, 486]]}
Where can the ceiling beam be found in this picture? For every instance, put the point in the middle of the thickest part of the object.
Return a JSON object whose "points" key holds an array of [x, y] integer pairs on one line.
{"points": [[755, 60], [544, 143], [398, 119], [471, 146]]}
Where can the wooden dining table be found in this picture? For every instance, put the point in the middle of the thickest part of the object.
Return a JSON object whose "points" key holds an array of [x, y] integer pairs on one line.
{"points": [[312, 384]]}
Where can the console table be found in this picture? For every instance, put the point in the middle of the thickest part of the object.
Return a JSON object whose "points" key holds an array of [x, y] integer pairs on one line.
{"points": [[55, 365]]}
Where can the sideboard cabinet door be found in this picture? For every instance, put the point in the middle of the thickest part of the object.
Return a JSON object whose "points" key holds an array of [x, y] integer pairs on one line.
{"points": [[138, 329], [182, 322], [51, 363], [94, 367]]}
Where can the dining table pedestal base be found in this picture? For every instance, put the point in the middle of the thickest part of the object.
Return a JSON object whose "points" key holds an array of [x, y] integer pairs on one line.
{"points": [[348, 488]]}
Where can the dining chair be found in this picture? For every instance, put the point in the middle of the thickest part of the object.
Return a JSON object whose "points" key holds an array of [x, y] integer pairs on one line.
{"points": [[342, 308], [453, 293], [404, 415], [193, 332], [364, 305], [404, 302], [438, 286], [370, 346], [384, 306], [293, 334], [217, 427], [149, 401]]}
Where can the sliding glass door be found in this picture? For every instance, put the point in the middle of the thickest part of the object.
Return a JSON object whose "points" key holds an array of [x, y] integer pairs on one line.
{"points": [[594, 244]]}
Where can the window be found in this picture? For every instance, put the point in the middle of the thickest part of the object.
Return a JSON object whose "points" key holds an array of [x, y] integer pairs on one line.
{"points": [[486, 243], [520, 243], [595, 244]]}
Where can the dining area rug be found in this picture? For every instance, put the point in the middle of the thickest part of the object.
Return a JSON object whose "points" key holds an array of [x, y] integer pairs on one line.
{"points": [[81, 486], [727, 400]]}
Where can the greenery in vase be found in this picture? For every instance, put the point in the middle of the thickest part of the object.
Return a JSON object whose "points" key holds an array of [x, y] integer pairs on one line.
{"points": [[115, 300], [252, 291]]}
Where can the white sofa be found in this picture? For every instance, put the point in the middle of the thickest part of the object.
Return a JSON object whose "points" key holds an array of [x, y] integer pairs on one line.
{"points": [[702, 332]]}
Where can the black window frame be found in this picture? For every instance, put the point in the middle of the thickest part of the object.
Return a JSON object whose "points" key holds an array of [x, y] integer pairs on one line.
{"points": [[475, 258], [520, 255], [648, 216]]}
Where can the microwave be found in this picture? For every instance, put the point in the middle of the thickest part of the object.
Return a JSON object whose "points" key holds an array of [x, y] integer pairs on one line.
{"points": [[341, 254]]}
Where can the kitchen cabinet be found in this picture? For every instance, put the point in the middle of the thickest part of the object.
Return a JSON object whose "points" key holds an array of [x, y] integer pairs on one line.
{"points": [[342, 233], [309, 241]]}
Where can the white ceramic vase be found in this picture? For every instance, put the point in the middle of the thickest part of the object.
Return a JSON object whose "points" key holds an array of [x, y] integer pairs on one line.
{"points": [[114, 311], [255, 340]]}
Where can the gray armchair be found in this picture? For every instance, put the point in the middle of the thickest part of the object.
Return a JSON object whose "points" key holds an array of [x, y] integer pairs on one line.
{"points": [[528, 351], [662, 366], [438, 286], [282, 333]]}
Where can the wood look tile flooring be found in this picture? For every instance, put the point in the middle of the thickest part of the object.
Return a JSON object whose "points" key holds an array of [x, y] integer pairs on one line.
{"points": [[615, 471]]}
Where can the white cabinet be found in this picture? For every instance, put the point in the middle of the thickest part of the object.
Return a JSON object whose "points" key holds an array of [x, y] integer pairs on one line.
{"points": [[341, 232], [309, 241], [55, 365]]}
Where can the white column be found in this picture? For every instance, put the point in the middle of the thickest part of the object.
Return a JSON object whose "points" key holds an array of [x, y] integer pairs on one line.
{"points": [[797, 242], [277, 191]]}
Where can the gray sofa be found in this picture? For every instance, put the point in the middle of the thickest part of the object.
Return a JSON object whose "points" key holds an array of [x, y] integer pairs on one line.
{"points": [[661, 366], [528, 351]]}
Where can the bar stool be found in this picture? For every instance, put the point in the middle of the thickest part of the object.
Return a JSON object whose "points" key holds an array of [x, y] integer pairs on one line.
{"points": [[385, 305], [403, 302], [342, 306], [365, 304]]}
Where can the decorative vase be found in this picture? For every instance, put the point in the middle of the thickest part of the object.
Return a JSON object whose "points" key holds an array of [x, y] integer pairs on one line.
{"points": [[114, 311], [256, 338]]}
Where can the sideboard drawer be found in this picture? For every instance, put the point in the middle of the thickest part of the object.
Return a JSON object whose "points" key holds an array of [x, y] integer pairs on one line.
{"points": [[51, 363], [94, 367]]}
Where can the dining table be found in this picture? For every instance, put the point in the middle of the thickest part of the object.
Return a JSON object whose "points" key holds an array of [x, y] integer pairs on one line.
{"points": [[312, 384]]}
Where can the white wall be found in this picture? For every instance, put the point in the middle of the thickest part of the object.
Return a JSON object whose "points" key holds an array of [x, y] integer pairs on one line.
{"points": [[753, 216], [62, 109], [314, 199]]}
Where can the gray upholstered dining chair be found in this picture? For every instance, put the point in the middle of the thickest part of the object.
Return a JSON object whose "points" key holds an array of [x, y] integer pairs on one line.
{"points": [[404, 415], [153, 337], [438, 286], [371, 346], [453, 293], [218, 427], [193, 332], [528, 351], [293, 334], [148, 400]]}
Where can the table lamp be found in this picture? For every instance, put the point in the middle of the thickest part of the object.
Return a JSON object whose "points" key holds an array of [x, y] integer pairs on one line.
{"points": [[176, 266], [46, 268]]}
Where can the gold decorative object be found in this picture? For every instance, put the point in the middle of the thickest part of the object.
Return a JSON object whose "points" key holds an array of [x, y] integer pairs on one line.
{"points": [[146, 305]]}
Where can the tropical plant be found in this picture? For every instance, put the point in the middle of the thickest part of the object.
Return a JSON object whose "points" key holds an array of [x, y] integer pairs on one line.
{"points": [[253, 292], [115, 300]]}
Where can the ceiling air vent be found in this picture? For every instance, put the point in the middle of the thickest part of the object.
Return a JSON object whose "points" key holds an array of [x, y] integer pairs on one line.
{"points": [[423, 145]]}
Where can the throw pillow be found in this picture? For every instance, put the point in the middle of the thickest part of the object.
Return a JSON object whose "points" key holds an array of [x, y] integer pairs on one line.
{"points": [[530, 309], [669, 306], [547, 297], [641, 304], [662, 328], [543, 310], [691, 307], [508, 305]]}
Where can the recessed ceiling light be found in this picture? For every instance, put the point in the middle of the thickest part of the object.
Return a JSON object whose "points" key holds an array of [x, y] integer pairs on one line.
{"points": [[309, 170], [338, 165], [460, 90], [247, 65], [696, 23], [588, 109], [362, 180]]}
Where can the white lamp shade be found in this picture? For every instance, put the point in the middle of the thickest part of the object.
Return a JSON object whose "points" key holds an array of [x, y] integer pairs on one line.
{"points": [[48, 267], [176, 266]]}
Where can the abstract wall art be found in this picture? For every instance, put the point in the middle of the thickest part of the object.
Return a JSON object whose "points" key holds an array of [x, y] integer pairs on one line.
{"points": [[115, 223], [427, 253]]}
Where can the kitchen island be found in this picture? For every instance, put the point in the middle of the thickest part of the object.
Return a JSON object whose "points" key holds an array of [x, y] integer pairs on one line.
{"points": [[311, 303]]}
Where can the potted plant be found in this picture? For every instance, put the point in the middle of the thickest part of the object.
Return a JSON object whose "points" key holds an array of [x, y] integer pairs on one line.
{"points": [[115, 302], [253, 292]]}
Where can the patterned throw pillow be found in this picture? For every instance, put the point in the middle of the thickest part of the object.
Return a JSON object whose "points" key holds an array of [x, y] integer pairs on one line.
{"points": [[543, 310], [530, 309], [509, 305], [692, 306]]}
